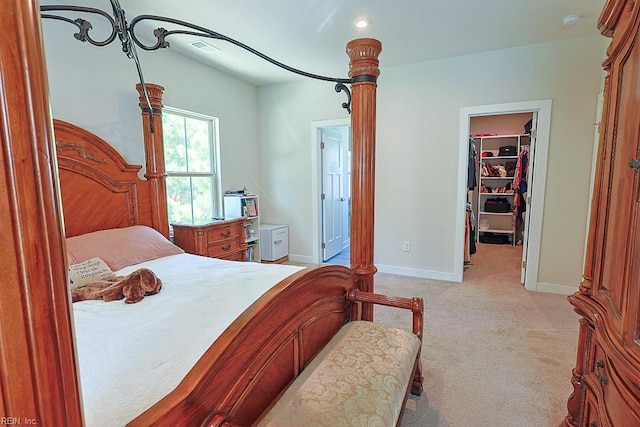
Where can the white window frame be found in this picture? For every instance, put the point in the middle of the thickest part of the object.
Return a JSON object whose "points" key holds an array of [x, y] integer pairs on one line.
{"points": [[214, 146]]}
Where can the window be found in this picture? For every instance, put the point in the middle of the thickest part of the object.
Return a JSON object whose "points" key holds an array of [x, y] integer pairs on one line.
{"points": [[191, 160]]}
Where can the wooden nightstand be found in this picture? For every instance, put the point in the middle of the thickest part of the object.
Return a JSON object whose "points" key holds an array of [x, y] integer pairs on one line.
{"points": [[221, 239]]}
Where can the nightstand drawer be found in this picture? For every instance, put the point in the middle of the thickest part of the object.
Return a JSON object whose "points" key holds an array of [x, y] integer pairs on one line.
{"points": [[220, 248], [216, 235], [238, 255], [224, 239]]}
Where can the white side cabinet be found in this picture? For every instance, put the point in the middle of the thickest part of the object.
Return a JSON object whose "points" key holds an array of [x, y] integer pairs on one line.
{"points": [[246, 206], [274, 242]]}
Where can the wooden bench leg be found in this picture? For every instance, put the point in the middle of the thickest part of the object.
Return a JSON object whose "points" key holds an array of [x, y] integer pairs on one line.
{"points": [[416, 386]]}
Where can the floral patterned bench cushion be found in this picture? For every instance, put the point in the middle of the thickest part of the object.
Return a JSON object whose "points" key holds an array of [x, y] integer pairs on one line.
{"points": [[360, 378]]}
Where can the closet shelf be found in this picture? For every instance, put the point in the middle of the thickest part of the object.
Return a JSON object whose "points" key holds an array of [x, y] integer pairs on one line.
{"points": [[496, 177], [495, 213], [494, 230], [501, 136], [498, 194]]}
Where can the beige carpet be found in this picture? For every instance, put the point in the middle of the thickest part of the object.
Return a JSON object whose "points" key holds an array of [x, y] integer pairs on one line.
{"points": [[494, 354]]}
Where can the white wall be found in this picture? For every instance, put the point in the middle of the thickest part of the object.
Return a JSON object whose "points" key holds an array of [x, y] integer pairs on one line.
{"points": [[94, 88], [267, 145], [417, 151], [288, 157]]}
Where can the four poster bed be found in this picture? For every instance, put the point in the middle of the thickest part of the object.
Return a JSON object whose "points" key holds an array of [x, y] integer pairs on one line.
{"points": [[258, 347], [265, 344], [266, 322]]}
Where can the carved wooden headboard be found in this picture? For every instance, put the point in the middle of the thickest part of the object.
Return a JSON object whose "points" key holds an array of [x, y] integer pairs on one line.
{"points": [[100, 190], [92, 174]]}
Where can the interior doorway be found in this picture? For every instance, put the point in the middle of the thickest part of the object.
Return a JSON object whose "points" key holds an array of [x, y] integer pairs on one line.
{"points": [[531, 224], [331, 170], [335, 188], [501, 146]]}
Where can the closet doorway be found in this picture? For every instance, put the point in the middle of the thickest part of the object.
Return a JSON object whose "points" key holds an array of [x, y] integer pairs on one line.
{"points": [[505, 213]]}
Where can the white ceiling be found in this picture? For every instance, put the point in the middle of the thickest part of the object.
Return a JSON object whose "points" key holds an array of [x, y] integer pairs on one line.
{"points": [[311, 34]]}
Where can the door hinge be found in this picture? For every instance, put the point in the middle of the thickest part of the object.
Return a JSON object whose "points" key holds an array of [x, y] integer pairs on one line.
{"points": [[528, 200], [322, 196], [524, 263], [534, 133], [322, 145], [324, 245]]}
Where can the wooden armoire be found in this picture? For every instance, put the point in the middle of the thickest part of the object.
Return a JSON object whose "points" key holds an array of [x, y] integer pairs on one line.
{"points": [[606, 379]]}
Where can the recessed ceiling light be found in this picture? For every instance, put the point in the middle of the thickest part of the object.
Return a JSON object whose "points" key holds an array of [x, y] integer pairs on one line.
{"points": [[362, 23], [572, 19]]}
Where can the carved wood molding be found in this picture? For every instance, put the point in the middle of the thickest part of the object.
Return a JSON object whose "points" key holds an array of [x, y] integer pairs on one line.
{"points": [[363, 57], [82, 151]]}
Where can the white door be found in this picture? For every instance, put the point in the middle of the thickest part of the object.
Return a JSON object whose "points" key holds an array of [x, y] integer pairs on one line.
{"points": [[527, 196], [331, 192]]}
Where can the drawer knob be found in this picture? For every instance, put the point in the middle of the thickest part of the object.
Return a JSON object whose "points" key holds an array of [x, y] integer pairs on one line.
{"points": [[634, 163], [593, 424], [225, 233], [226, 247], [601, 378]]}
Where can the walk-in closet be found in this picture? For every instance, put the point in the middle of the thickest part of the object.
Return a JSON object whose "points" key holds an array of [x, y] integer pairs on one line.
{"points": [[499, 176]]}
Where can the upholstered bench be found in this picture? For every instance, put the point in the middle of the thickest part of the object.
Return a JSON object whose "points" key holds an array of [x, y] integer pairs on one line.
{"points": [[360, 378]]}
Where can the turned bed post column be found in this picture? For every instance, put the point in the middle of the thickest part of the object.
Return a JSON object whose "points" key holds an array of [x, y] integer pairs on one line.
{"points": [[154, 154], [364, 71], [38, 379]]}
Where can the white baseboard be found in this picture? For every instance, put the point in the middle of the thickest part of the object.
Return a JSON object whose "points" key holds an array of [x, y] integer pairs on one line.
{"points": [[439, 275], [556, 289], [416, 272], [302, 259], [450, 277]]}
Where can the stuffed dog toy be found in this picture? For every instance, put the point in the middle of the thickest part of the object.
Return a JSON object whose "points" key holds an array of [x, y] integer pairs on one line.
{"points": [[132, 288]]}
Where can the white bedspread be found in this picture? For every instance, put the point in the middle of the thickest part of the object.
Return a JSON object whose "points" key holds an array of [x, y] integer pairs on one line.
{"points": [[131, 355]]}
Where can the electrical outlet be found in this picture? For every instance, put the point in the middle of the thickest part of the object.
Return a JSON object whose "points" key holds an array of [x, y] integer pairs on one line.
{"points": [[406, 246]]}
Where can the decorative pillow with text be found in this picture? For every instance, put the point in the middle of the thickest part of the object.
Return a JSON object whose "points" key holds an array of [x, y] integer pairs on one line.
{"points": [[89, 271]]}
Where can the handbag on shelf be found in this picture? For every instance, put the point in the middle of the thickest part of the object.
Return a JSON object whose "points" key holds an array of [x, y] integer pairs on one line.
{"points": [[497, 205], [494, 238], [508, 150]]}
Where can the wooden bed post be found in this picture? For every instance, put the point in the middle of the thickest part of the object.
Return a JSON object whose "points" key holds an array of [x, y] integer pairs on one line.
{"points": [[154, 149], [38, 379], [363, 69]]}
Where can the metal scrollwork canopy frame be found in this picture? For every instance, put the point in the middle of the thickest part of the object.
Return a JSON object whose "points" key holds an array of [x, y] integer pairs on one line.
{"points": [[125, 32]]}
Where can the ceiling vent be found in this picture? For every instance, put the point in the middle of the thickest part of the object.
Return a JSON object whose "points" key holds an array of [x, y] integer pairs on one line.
{"points": [[204, 46], [572, 19]]}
